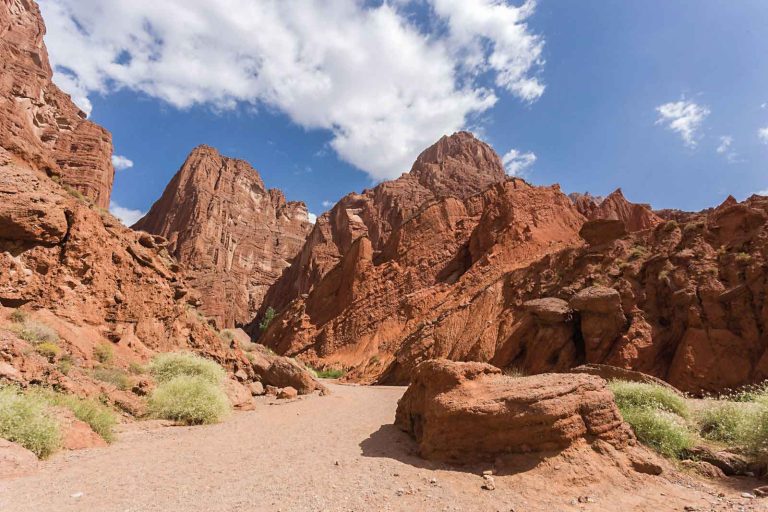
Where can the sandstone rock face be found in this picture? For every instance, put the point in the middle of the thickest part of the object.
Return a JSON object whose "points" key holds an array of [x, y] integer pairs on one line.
{"points": [[688, 303], [64, 261], [467, 412], [636, 217], [282, 372], [39, 124], [428, 290], [458, 166], [233, 236]]}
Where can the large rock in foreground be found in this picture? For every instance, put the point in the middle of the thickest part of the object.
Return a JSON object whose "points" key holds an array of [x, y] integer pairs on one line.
{"points": [[467, 412]]}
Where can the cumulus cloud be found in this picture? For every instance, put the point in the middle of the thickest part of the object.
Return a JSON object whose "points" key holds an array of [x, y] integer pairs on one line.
{"points": [[683, 117], [328, 204], [312, 217], [385, 85], [126, 215], [763, 192], [516, 162], [121, 163], [762, 134]]}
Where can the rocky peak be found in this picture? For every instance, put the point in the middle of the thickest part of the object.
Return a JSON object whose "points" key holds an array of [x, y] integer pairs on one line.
{"points": [[39, 124], [458, 165], [636, 217], [233, 235]]}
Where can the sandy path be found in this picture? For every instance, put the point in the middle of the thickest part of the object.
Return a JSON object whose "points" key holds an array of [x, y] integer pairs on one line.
{"points": [[283, 458]]}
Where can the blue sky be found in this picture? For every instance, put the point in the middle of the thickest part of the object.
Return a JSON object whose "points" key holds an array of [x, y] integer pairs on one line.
{"points": [[664, 98]]}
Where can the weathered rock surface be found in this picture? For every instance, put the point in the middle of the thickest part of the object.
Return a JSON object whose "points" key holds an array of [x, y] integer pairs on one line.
{"points": [[636, 217], [467, 412], [233, 236], [64, 261], [15, 460], [280, 372], [391, 302], [458, 166], [39, 124]]}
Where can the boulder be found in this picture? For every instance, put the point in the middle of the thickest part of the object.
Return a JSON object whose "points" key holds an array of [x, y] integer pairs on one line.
{"points": [[239, 395], [467, 412], [76, 434], [287, 393], [549, 310], [602, 320], [256, 388], [282, 371], [729, 463], [15, 460]]}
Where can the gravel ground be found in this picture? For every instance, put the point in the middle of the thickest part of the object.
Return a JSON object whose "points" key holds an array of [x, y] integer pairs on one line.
{"points": [[335, 453]]}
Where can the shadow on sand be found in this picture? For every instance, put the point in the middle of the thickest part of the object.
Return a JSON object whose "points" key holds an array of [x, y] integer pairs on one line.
{"points": [[390, 442]]}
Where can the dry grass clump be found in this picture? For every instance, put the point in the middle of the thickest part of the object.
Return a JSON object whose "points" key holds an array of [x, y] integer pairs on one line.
{"points": [[190, 400], [27, 420]]}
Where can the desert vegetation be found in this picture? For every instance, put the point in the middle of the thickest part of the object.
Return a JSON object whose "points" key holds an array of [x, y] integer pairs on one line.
{"points": [[672, 424], [189, 389]]}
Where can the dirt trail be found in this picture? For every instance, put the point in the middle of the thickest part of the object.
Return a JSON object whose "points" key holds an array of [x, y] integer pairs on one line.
{"points": [[284, 458]]}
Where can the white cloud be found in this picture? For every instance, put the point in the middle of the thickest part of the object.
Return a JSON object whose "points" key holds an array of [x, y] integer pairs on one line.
{"points": [[763, 192], [328, 204], [312, 217], [383, 84], [126, 215], [762, 134], [516, 162], [121, 163], [683, 117], [725, 149]]}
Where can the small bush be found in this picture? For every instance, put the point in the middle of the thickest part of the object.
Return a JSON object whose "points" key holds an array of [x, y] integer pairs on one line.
{"points": [[637, 252], [191, 400], [514, 372], [36, 332], [639, 395], [104, 353], [136, 368], [100, 418], [269, 315], [65, 364], [48, 350], [227, 335], [165, 367], [664, 432], [331, 373], [18, 316], [669, 226], [743, 257], [27, 421], [729, 422], [114, 376]]}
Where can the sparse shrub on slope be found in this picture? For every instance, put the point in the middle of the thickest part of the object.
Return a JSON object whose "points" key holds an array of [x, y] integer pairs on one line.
{"points": [[729, 422], [166, 367], [26, 420], [640, 395], [656, 414], [36, 332], [188, 399], [101, 418]]}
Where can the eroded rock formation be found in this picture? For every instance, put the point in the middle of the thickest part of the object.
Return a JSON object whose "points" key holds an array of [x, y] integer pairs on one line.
{"points": [[232, 235], [39, 124], [469, 412], [636, 217]]}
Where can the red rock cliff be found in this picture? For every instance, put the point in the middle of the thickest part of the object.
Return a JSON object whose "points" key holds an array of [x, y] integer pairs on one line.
{"points": [[39, 124], [233, 236]]}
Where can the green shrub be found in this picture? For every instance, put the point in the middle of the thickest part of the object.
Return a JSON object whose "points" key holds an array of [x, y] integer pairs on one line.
{"points": [[100, 417], [165, 367], [188, 399], [729, 422], [639, 395], [114, 376], [227, 335], [269, 315], [48, 350], [669, 226], [65, 364], [18, 316], [331, 373], [638, 252], [36, 332], [26, 420], [136, 368], [104, 353], [663, 431], [743, 257]]}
